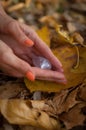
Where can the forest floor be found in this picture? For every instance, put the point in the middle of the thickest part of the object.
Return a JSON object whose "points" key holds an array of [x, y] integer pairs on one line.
{"points": [[37, 14]]}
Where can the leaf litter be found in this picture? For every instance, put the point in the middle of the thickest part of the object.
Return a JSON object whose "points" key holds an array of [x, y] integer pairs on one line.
{"points": [[60, 107]]}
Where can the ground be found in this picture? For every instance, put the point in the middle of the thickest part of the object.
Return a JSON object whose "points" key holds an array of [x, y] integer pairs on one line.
{"points": [[38, 14]]}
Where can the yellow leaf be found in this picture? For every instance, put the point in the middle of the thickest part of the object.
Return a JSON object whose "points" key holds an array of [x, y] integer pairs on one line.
{"points": [[44, 34], [67, 54]]}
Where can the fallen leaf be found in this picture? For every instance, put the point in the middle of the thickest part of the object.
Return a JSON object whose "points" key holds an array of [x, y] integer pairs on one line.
{"points": [[44, 33], [25, 112], [10, 90], [78, 39], [71, 27], [66, 100], [81, 7], [66, 52], [82, 91], [74, 117], [13, 89], [66, 106]]}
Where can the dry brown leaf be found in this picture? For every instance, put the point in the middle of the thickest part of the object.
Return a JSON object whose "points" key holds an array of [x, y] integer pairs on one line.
{"points": [[65, 101], [75, 27], [82, 92], [69, 106], [12, 88], [16, 7], [78, 1], [71, 27], [48, 1], [74, 117], [49, 20], [81, 7], [26, 127], [27, 3], [23, 112], [78, 39], [6, 3], [66, 106]]}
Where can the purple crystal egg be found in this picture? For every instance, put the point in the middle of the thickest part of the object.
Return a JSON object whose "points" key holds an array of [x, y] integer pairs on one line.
{"points": [[41, 62]]}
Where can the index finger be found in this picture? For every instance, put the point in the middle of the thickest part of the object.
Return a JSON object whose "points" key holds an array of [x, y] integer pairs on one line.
{"points": [[49, 75], [47, 53], [42, 47]]}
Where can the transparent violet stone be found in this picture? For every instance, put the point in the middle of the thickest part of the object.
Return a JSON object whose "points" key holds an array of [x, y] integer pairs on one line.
{"points": [[41, 62]]}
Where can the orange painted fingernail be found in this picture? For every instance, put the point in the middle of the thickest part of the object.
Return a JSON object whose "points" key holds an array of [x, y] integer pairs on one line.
{"points": [[29, 42], [65, 83], [30, 76]]}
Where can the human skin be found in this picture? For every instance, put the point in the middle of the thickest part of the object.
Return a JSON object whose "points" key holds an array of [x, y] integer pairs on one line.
{"points": [[17, 43]]}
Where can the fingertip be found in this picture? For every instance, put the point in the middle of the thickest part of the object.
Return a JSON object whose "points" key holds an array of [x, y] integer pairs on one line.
{"points": [[60, 64], [61, 70], [28, 42], [30, 76], [64, 82], [57, 63]]}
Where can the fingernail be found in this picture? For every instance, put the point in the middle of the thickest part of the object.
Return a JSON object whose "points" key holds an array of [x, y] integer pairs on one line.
{"points": [[62, 76], [65, 82], [30, 76], [62, 70], [29, 42], [62, 81]]}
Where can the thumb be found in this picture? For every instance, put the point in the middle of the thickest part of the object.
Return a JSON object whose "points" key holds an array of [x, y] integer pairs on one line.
{"points": [[19, 65], [14, 63], [23, 67], [16, 31]]}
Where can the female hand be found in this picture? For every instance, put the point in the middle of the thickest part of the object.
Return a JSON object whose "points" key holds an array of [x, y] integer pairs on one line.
{"points": [[22, 37], [16, 61]]}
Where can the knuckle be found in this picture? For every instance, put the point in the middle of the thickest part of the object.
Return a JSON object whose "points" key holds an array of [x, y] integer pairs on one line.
{"points": [[5, 55], [12, 24]]}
